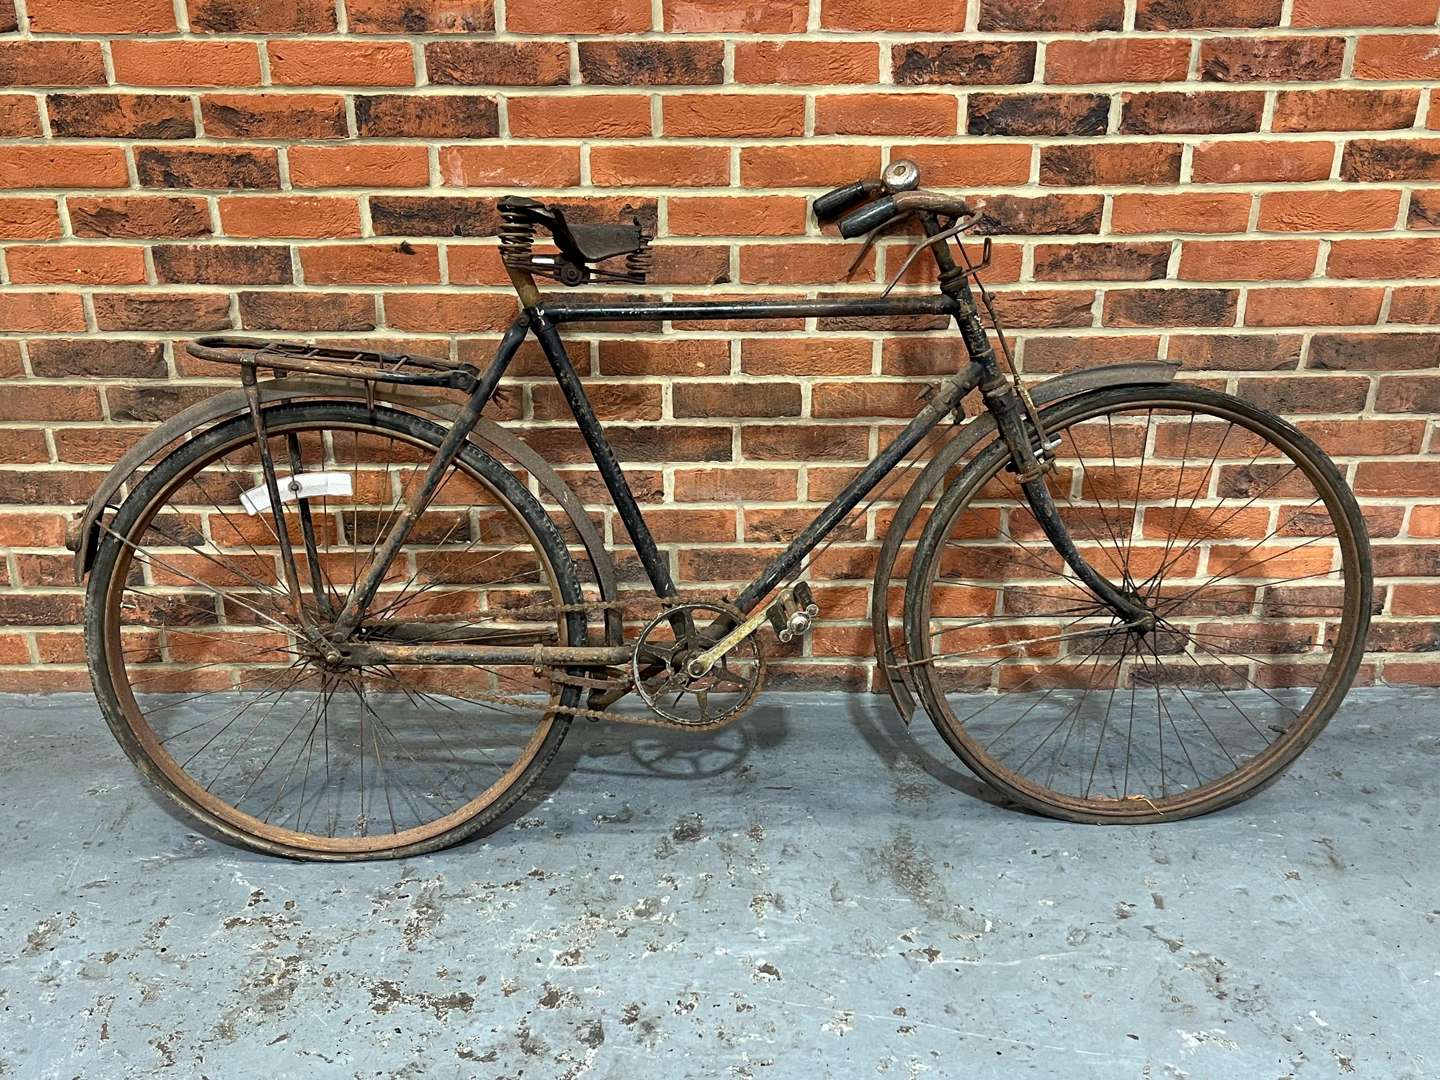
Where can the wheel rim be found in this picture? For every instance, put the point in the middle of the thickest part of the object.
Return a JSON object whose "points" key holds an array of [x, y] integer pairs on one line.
{"points": [[1247, 557], [226, 702]]}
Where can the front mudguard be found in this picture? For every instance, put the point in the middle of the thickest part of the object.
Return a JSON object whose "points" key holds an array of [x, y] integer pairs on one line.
{"points": [[83, 535], [889, 644]]}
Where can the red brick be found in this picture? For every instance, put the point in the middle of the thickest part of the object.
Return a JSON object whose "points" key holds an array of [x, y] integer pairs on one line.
{"points": [[741, 400], [63, 167], [946, 16], [341, 63], [733, 485], [58, 358], [1344, 110], [801, 263], [652, 63], [733, 115], [498, 63], [29, 219], [138, 216], [412, 116], [233, 167], [156, 312], [1180, 213], [580, 17], [679, 357], [965, 164], [42, 312], [885, 114], [75, 402], [363, 166], [591, 116], [121, 116], [807, 63], [1197, 14], [736, 16], [1101, 262], [953, 63], [262, 16], [1117, 60], [371, 264], [1288, 59], [1049, 15], [185, 63], [509, 166], [1384, 351], [1313, 306], [433, 311], [1348, 13], [659, 165], [51, 63], [1328, 211], [1236, 352], [1402, 258], [1038, 114], [807, 442], [1398, 57], [808, 165], [232, 264], [1163, 112], [1266, 161], [421, 16], [1110, 163], [273, 116], [101, 16], [1170, 307], [19, 116], [1248, 260], [74, 264], [1397, 478], [1416, 304], [293, 310], [749, 215], [289, 215], [805, 356]]}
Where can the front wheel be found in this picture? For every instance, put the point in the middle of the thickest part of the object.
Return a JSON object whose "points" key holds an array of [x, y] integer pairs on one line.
{"points": [[214, 685], [1238, 535]]}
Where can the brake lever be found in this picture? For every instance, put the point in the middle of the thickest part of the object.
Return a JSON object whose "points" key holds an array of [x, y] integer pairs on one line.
{"points": [[940, 237], [870, 238]]}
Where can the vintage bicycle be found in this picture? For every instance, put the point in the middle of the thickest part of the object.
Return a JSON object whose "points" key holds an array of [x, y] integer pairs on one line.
{"points": [[333, 618]]}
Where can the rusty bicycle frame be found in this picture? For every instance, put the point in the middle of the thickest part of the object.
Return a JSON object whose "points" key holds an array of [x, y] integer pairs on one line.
{"points": [[1014, 417]]}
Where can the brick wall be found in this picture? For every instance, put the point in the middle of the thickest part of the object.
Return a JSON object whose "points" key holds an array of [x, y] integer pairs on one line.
{"points": [[1251, 187]]}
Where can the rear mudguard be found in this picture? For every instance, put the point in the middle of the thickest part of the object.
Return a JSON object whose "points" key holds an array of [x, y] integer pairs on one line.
{"points": [[489, 436], [888, 643]]}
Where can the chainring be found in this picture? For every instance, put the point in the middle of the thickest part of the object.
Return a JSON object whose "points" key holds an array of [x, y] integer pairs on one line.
{"points": [[665, 647]]}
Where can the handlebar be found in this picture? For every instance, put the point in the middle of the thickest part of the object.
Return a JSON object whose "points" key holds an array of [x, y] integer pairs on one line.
{"points": [[898, 188], [832, 204]]}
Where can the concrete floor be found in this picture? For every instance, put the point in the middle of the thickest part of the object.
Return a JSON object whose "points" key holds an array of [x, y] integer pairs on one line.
{"points": [[813, 893]]}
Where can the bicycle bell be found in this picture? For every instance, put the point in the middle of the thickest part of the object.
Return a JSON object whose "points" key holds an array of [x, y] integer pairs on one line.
{"points": [[902, 175]]}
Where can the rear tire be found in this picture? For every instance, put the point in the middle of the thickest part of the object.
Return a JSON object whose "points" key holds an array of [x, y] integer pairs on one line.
{"points": [[159, 586]]}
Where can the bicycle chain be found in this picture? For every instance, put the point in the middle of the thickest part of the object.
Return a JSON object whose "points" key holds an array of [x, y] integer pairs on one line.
{"points": [[556, 676]]}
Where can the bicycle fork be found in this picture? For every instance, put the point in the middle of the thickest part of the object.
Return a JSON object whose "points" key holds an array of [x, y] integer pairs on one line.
{"points": [[1030, 456]]}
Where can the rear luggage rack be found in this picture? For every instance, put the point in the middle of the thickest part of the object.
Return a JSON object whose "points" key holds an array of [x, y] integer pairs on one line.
{"points": [[336, 361]]}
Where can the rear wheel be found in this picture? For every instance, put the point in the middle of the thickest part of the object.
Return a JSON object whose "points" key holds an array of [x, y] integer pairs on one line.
{"points": [[1235, 530], [213, 686]]}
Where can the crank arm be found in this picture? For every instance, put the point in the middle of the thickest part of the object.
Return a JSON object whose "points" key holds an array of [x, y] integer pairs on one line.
{"points": [[700, 665]]}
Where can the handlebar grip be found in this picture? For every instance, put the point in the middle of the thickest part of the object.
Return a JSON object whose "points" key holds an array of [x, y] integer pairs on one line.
{"points": [[869, 217], [832, 204]]}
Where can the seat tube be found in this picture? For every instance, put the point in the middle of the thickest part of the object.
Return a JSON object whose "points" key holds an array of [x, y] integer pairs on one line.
{"points": [[651, 558]]}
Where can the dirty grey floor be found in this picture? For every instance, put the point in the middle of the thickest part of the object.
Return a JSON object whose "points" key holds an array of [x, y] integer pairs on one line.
{"points": [[813, 893]]}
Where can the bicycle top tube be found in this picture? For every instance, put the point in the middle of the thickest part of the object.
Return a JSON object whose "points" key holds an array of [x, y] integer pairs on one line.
{"points": [[857, 307]]}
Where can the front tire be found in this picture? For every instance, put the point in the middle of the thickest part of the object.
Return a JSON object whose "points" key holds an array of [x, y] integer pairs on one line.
{"points": [[1233, 526]]}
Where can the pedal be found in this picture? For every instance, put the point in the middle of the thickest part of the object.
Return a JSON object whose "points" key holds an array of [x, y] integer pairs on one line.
{"points": [[793, 612]]}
